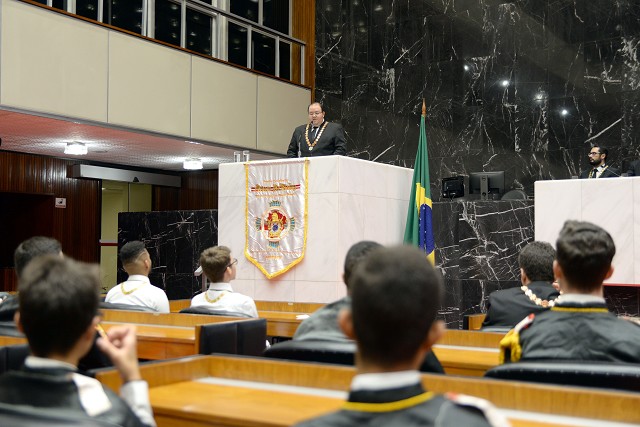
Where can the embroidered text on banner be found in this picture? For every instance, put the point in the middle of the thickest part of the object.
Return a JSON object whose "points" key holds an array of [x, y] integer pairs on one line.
{"points": [[276, 214]]}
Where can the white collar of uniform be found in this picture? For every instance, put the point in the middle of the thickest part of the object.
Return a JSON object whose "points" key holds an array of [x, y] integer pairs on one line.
{"points": [[220, 286], [582, 299], [138, 278], [41, 362], [92, 397], [385, 380]]}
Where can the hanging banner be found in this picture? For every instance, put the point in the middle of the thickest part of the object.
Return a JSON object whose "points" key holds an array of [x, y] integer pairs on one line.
{"points": [[276, 214]]}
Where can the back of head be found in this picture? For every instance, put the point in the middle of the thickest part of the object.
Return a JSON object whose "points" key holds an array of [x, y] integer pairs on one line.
{"points": [[131, 251], [58, 300], [214, 262], [536, 259], [32, 248], [584, 252], [395, 295], [355, 255]]}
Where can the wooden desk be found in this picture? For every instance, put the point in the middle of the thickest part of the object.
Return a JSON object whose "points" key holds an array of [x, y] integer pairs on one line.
{"points": [[279, 323], [157, 342], [197, 392], [471, 338], [467, 361], [295, 307], [12, 340]]}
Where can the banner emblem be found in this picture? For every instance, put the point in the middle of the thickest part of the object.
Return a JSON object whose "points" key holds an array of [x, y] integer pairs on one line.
{"points": [[276, 214]]}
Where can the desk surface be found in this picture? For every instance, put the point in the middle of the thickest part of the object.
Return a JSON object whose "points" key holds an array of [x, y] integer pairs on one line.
{"points": [[189, 392]]}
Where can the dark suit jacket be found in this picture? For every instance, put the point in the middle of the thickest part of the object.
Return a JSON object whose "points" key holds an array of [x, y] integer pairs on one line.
{"points": [[509, 306], [634, 168], [331, 142], [608, 173]]}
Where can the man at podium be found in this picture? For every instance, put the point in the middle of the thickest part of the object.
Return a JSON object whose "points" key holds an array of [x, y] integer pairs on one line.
{"points": [[318, 137]]}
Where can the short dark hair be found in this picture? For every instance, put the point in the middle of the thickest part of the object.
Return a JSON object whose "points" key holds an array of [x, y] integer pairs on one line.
{"points": [[536, 259], [395, 293], [314, 103], [34, 247], [355, 255], [584, 252], [58, 299], [602, 150], [131, 251], [214, 261]]}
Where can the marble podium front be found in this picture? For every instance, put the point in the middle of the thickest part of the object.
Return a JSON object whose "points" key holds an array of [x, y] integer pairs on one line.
{"points": [[349, 200], [477, 247]]}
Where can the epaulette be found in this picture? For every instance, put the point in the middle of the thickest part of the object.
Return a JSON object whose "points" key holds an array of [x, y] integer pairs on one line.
{"points": [[510, 349], [491, 413]]}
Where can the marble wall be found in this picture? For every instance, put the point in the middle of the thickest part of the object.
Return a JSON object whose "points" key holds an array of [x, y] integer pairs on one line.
{"points": [[477, 252], [521, 86], [174, 240]]}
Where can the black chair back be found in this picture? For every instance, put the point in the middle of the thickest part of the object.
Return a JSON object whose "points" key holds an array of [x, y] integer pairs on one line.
{"points": [[617, 376], [339, 353], [218, 338], [128, 307], [12, 357], [252, 337], [202, 309]]}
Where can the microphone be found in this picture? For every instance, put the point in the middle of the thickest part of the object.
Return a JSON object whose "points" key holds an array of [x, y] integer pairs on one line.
{"points": [[299, 148]]}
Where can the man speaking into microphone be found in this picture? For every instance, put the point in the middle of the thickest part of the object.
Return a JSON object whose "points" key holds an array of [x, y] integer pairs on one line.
{"points": [[318, 137]]}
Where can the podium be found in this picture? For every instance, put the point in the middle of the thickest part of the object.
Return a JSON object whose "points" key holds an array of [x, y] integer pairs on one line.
{"points": [[349, 200]]}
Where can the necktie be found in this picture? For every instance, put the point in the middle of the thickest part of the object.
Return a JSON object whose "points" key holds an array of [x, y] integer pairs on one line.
{"points": [[315, 132], [594, 173]]}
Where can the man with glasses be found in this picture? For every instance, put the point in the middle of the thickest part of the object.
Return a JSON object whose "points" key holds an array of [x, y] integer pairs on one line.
{"points": [[599, 168], [318, 137], [220, 269], [138, 290]]}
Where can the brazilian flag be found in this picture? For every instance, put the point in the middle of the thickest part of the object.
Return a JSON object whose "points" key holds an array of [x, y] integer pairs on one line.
{"points": [[419, 230]]}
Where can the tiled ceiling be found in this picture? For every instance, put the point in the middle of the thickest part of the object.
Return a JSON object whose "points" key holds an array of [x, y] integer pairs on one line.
{"points": [[27, 133]]}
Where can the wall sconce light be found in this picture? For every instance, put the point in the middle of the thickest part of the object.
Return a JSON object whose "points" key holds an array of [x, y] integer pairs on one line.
{"points": [[192, 163], [76, 148]]}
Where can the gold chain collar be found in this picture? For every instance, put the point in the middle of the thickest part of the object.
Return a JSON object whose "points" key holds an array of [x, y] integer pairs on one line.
{"points": [[132, 290], [218, 298], [537, 301], [317, 138]]}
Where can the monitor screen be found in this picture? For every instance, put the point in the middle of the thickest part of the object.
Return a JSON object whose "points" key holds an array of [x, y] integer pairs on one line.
{"points": [[486, 183]]}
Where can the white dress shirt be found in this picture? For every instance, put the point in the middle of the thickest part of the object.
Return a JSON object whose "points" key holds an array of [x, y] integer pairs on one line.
{"points": [[220, 295], [139, 291]]}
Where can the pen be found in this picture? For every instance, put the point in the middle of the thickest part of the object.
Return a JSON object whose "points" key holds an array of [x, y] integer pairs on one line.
{"points": [[101, 332]]}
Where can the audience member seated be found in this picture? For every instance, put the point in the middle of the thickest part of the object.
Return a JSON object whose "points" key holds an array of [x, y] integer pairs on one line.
{"points": [[578, 326], [58, 315], [537, 294], [220, 269], [25, 252], [138, 290], [323, 324], [395, 295]]}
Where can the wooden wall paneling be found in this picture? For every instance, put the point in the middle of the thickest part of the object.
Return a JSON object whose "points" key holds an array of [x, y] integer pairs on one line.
{"points": [[77, 227], [304, 28], [199, 191]]}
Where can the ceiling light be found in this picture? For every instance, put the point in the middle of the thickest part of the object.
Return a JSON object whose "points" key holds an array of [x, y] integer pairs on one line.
{"points": [[75, 148], [192, 163]]}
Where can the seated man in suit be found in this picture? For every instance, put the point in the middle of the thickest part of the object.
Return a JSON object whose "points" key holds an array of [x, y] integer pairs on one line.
{"points": [[220, 269], [578, 326], [25, 252], [138, 290], [323, 324], [537, 294], [58, 314], [599, 169], [318, 137], [395, 296]]}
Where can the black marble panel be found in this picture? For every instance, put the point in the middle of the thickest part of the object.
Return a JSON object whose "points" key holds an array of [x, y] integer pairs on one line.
{"points": [[524, 86], [174, 240], [477, 247], [623, 300]]}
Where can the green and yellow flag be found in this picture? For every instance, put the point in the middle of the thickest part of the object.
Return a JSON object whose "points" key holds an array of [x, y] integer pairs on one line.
{"points": [[419, 229]]}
